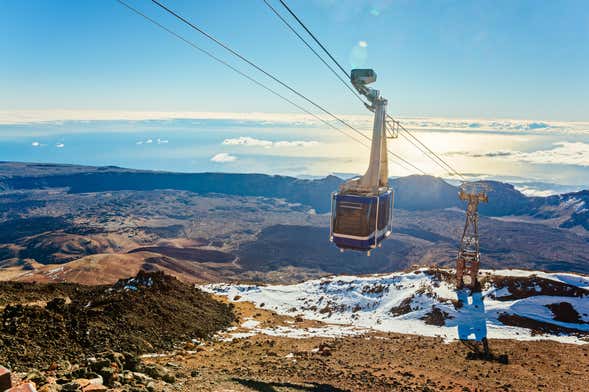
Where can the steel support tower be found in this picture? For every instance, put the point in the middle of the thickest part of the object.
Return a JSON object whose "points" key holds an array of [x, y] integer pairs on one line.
{"points": [[468, 261]]}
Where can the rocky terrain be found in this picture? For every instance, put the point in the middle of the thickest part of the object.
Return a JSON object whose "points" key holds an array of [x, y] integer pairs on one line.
{"points": [[513, 304], [400, 332], [96, 225], [44, 324], [321, 336], [102, 372], [98, 266], [283, 349]]}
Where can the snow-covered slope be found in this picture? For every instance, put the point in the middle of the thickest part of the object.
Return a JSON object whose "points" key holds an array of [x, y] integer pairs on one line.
{"points": [[514, 304]]}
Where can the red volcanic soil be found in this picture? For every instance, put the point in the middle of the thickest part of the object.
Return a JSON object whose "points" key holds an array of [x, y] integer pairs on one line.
{"points": [[191, 254]]}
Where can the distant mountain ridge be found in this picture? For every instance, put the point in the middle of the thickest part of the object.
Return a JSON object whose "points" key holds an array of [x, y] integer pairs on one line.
{"points": [[413, 192]]}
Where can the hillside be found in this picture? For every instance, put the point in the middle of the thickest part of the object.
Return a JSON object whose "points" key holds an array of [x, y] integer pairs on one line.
{"points": [[309, 317], [313, 336], [96, 237], [81, 321], [362, 341], [514, 304]]}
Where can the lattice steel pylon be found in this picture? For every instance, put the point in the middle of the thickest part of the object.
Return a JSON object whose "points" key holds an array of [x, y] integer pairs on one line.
{"points": [[468, 261]]}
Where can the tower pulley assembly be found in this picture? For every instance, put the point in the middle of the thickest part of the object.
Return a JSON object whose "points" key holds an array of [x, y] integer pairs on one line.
{"points": [[469, 255]]}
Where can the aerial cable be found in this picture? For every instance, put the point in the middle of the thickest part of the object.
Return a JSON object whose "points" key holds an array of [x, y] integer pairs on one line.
{"points": [[276, 79], [449, 167], [446, 166], [223, 62], [194, 46], [344, 82], [314, 38]]}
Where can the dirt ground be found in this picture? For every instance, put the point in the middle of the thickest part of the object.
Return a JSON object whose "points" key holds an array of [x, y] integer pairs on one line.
{"points": [[374, 362]]}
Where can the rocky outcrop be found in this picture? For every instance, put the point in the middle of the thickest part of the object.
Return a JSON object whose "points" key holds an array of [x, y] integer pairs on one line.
{"points": [[149, 312]]}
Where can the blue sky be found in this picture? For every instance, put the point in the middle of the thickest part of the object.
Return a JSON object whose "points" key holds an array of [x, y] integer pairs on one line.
{"points": [[500, 59], [500, 89]]}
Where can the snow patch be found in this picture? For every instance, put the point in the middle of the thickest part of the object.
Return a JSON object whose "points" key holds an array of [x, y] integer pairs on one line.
{"points": [[328, 331], [411, 303], [250, 324]]}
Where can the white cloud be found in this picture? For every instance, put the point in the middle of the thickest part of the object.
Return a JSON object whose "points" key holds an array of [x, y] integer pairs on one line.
{"points": [[537, 126], [296, 143], [11, 117], [565, 153], [59, 145], [362, 44], [248, 141], [561, 153], [150, 141], [223, 158], [253, 142], [36, 144]]}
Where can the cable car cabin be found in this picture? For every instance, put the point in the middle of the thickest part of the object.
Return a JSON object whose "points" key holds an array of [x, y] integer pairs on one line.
{"points": [[361, 211], [359, 221]]}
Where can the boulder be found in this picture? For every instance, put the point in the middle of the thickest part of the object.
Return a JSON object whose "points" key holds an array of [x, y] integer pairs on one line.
{"points": [[5, 381], [36, 376], [71, 387], [117, 358], [63, 380], [95, 388], [131, 361], [142, 378], [98, 364], [51, 387], [81, 372], [64, 366], [26, 387], [126, 377], [82, 382], [155, 371], [96, 379], [108, 375]]}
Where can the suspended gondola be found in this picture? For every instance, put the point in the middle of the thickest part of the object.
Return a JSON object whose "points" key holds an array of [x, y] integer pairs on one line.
{"points": [[361, 210]]}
